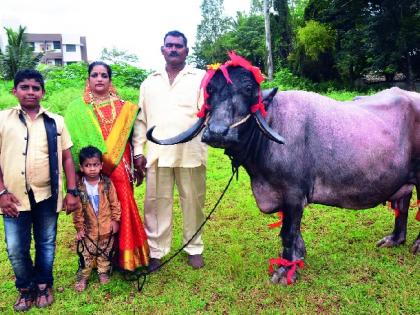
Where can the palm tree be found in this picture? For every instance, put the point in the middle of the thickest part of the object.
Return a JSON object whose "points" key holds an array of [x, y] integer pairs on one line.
{"points": [[18, 54]]}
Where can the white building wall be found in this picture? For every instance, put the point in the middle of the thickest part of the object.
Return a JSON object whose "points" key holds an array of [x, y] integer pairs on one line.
{"points": [[71, 56]]}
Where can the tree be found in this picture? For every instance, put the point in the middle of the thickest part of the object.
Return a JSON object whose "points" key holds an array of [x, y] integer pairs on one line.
{"points": [[116, 56], [394, 33], [18, 54], [281, 30], [256, 7], [266, 10], [380, 36], [213, 25], [313, 57]]}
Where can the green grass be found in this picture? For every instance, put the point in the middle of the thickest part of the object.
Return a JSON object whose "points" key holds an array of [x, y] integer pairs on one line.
{"points": [[344, 272]]}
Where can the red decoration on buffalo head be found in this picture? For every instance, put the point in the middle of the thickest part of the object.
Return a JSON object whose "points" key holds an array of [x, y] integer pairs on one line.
{"points": [[235, 61]]}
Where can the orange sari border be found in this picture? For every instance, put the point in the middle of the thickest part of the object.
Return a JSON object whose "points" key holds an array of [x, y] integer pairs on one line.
{"points": [[120, 132], [131, 259]]}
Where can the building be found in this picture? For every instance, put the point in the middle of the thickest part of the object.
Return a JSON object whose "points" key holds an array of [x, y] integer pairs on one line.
{"points": [[58, 49]]}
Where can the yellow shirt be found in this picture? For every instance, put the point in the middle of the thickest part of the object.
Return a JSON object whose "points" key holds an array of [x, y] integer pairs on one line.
{"points": [[172, 109], [24, 154]]}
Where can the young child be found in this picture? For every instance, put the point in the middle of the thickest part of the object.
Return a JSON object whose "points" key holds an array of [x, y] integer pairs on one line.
{"points": [[97, 218], [34, 149]]}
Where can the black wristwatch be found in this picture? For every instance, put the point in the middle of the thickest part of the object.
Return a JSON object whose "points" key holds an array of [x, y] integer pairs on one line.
{"points": [[75, 192]]}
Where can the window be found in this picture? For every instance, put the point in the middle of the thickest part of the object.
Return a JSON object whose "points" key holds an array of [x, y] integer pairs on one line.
{"points": [[58, 62], [32, 45], [57, 45], [70, 48]]}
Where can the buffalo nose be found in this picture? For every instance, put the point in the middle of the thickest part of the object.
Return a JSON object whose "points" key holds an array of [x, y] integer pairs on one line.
{"points": [[218, 130]]}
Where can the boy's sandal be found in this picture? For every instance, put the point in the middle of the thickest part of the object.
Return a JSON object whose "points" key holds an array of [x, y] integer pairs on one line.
{"points": [[81, 285], [44, 297], [24, 300]]}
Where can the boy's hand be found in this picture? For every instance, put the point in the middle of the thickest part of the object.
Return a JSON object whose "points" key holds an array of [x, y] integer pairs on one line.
{"points": [[8, 203], [70, 203], [115, 226], [80, 235]]}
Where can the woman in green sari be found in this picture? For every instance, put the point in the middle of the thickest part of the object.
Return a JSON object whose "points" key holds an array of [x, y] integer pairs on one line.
{"points": [[102, 119]]}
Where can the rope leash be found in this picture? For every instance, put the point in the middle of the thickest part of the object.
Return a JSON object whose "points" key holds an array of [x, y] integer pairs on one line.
{"points": [[141, 275], [81, 246]]}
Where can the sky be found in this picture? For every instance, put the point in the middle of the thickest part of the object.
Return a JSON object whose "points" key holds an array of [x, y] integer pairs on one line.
{"points": [[135, 26]]}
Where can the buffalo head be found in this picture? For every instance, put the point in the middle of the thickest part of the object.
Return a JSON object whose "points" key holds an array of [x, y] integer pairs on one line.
{"points": [[234, 106]]}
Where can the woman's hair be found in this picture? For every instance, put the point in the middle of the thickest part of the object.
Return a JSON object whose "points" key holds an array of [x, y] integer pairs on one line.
{"points": [[100, 63], [29, 74], [88, 153]]}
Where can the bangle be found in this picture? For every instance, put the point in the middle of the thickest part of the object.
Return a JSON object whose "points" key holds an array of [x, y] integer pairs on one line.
{"points": [[3, 192], [136, 157]]}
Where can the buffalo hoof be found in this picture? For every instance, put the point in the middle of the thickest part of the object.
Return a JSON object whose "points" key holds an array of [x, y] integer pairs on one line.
{"points": [[389, 241], [280, 276], [415, 249]]}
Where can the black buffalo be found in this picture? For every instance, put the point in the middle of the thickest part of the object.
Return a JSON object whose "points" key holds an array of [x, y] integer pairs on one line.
{"points": [[354, 154]]}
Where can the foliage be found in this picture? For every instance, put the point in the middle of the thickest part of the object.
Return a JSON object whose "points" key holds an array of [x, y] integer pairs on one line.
{"points": [[394, 31], [213, 25], [281, 32], [127, 75], [256, 7], [315, 39], [247, 39], [116, 56], [382, 36], [297, 11], [284, 79], [75, 75], [18, 54]]}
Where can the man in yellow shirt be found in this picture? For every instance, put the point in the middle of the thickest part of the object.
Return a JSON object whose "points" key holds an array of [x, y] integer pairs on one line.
{"points": [[34, 149], [170, 100]]}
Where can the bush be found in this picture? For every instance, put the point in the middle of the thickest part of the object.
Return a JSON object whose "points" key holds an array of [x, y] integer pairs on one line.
{"points": [[75, 74], [127, 75], [284, 79]]}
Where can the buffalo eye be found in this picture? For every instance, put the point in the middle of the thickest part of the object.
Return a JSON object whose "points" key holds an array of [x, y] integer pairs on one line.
{"points": [[209, 89], [248, 89]]}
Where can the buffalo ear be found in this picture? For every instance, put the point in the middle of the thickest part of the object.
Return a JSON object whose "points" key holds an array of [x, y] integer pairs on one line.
{"points": [[268, 95]]}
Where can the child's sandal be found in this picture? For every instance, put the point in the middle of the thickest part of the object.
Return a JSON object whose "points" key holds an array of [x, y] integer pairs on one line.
{"points": [[103, 278], [81, 285]]}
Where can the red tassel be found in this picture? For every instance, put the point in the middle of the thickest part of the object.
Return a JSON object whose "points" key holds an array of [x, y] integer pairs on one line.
{"points": [[285, 263], [418, 215], [279, 222]]}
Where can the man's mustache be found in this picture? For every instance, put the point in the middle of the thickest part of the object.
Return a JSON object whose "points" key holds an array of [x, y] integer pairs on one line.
{"points": [[173, 54]]}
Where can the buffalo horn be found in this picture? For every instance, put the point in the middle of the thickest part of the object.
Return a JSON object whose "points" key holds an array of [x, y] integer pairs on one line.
{"points": [[266, 130], [185, 136]]}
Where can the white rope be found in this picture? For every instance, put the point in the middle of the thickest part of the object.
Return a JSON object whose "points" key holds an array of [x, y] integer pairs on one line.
{"points": [[240, 122]]}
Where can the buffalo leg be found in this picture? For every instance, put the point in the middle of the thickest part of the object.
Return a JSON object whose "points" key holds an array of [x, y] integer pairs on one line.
{"points": [[293, 244], [415, 249], [398, 236]]}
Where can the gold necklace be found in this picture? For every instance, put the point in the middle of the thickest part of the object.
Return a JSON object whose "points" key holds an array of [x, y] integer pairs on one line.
{"points": [[95, 101]]}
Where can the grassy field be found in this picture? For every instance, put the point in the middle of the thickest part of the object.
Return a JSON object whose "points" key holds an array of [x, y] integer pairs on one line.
{"points": [[344, 272]]}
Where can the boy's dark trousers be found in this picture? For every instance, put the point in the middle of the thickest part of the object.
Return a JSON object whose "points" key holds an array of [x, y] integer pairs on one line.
{"points": [[42, 218]]}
